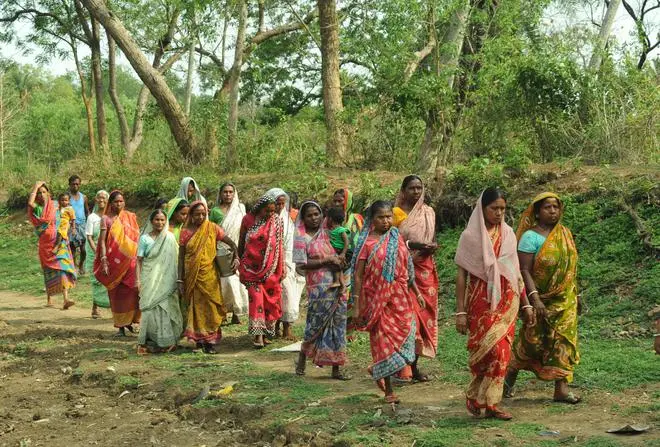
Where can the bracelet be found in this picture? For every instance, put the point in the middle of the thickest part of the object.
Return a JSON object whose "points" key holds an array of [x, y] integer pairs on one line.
{"points": [[656, 335], [408, 245], [533, 292], [527, 306], [104, 258], [460, 313], [179, 280]]}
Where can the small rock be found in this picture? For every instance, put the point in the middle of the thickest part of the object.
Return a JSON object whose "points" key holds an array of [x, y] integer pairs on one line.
{"points": [[111, 369]]}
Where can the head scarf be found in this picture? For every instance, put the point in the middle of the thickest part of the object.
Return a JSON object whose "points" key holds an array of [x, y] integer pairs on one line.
{"points": [[218, 196], [475, 253], [172, 206], [263, 201], [231, 222], [528, 218], [419, 226], [183, 190], [102, 193], [300, 241]]}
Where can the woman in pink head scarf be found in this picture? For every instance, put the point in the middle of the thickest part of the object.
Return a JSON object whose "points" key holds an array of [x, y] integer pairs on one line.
{"points": [[489, 294]]}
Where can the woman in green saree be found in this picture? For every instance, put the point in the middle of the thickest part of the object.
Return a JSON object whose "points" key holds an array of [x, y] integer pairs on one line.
{"points": [[92, 231], [548, 263], [157, 255], [177, 213]]}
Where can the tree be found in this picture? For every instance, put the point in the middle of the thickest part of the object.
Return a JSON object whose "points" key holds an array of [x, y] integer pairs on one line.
{"points": [[643, 27], [152, 78], [332, 100], [604, 35], [10, 106]]}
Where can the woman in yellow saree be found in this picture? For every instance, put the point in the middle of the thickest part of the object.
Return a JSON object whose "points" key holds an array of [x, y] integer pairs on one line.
{"points": [[198, 281], [548, 263]]}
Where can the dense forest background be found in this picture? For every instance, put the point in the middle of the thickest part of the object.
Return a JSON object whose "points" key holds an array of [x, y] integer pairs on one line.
{"points": [[290, 86]]}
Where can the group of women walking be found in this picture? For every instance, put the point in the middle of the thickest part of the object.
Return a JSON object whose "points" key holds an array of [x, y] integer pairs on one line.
{"points": [[165, 276]]}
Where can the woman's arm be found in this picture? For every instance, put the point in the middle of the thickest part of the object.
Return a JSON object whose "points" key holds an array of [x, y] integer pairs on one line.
{"points": [[33, 194], [526, 266], [102, 248], [181, 269], [91, 242], [241, 243], [315, 264], [356, 291], [344, 238], [461, 314], [138, 270], [231, 244]]}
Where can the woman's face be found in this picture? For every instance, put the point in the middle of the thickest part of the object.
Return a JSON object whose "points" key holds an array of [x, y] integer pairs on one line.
{"points": [[550, 212], [198, 215], [338, 200], [227, 194], [413, 191], [267, 211], [382, 220], [181, 215], [312, 218], [101, 202], [158, 222], [42, 195], [117, 204], [280, 203], [494, 212], [191, 189]]}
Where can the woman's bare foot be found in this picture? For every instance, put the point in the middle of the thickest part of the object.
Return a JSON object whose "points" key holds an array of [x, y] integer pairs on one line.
{"points": [[67, 304], [563, 394]]}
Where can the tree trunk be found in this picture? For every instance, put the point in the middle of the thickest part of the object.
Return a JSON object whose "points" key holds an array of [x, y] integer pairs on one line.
{"points": [[234, 87], [189, 77], [438, 129], [152, 78], [336, 149], [604, 35], [97, 76], [87, 101]]}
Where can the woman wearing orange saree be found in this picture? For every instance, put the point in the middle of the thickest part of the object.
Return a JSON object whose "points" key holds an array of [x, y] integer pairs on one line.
{"points": [[116, 258], [416, 223], [489, 292], [56, 260], [548, 261], [198, 280]]}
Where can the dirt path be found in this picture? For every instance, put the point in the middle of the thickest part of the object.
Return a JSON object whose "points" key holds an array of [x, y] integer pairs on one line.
{"points": [[64, 379]]}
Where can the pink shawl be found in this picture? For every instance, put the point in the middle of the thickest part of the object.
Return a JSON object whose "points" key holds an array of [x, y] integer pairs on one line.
{"points": [[476, 255], [420, 224]]}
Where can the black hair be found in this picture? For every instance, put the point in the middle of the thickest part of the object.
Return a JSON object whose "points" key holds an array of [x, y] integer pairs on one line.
{"points": [[197, 205], [155, 213], [225, 184], [160, 203], [410, 178], [113, 196], [490, 195], [336, 215], [339, 191], [293, 199], [63, 195], [539, 204], [306, 206], [74, 177], [379, 205], [181, 204]]}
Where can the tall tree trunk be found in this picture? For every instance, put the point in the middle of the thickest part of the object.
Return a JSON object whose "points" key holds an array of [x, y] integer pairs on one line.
{"points": [[234, 87], [438, 124], [604, 35], [97, 76], [332, 101], [189, 77], [87, 101], [151, 77]]}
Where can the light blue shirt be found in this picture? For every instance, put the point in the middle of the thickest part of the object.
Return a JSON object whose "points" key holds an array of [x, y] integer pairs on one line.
{"points": [[531, 242]]}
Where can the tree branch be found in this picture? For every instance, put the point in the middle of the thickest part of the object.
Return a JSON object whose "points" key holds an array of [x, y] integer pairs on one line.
{"points": [[262, 36], [419, 58]]}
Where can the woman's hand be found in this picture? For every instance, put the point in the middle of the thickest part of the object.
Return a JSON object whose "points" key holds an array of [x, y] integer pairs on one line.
{"points": [[529, 317], [540, 309], [332, 261], [139, 286], [421, 302], [104, 266], [461, 324], [580, 307], [181, 289]]}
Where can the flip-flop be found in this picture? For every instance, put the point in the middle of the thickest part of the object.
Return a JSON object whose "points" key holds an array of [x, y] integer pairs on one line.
{"points": [[472, 408], [499, 414], [421, 378], [341, 376], [258, 345], [392, 399], [68, 304], [570, 398]]}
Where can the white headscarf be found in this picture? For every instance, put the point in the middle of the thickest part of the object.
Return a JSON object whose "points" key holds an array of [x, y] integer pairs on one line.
{"points": [[234, 216], [183, 191]]}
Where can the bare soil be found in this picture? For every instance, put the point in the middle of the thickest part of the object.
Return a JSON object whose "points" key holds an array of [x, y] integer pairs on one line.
{"points": [[63, 382]]}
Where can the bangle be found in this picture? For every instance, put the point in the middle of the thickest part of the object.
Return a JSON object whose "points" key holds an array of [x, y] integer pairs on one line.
{"points": [[408, 245], [460, 313], [527, 306], [533, 292], [104, 258], [656, 335], [179, 280]]}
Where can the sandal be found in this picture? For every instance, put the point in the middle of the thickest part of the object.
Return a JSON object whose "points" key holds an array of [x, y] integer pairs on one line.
{"points": [[570, 398], [142, 350], [130, 329], [392, 399], [341, 376], [472, 408], [496, 413], [68, 304], [169, 349], [421, 378], [96, 315], [209, 349], [256, 345]]}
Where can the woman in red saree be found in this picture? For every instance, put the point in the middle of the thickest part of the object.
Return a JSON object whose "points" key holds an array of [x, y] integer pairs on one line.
{"points": [[116, 258], [383, 286], [416, 223], [261, 249], [198, 281], [56, 260], [489, 291]]}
